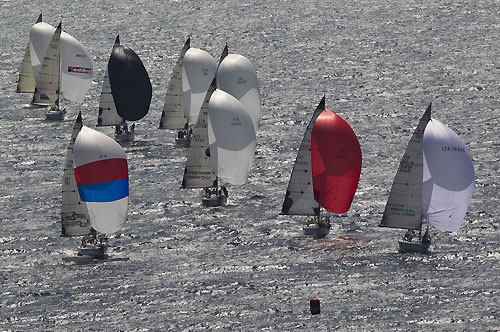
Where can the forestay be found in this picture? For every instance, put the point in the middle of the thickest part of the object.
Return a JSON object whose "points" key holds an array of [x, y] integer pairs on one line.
{"points": [[48, 78], [108, 116], [299, 198], [448, 177], [335, 161], [198, 71], [172, 116], [101, 174], [40, 37], [26, 81], [237, 76], [404, 205], [231, 136], [198, 172], [73, 211]]}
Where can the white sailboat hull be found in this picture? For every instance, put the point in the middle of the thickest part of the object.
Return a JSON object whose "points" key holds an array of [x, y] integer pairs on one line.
{"points": [[214, 201], [95, 251], [414, 246], [125, 137], [186, 142], [55, 113], [316, 230]]}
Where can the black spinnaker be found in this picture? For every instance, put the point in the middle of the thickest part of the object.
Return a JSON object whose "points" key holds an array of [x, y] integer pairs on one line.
{"points": [[130, 84]]}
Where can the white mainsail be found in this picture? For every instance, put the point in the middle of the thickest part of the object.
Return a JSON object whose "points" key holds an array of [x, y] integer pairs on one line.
{"points": [[172, 116], [26, 81], [448, 177], [237, 76], [102, 178], [74, 214], [48, 77], [404, 205], [299, 198], [232, 138], [198, 172], [198, 71], [108, 115]]}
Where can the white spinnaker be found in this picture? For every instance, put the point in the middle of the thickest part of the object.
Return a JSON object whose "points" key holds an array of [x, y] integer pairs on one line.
{"points": [[75, 63], [73, 210], [173, 107], [108, 115], [48, 78], [91, 146], [299, 198], [198, 71], [198, 172], [237, 76], [231, 135], [448, 177], [40, 36], [76, 69]]}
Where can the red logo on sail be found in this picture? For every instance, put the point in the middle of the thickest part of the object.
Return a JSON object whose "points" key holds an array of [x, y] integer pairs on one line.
{"points": [[79, 70]]}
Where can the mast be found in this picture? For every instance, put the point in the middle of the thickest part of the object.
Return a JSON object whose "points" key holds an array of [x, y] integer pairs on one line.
{"points": [[299, 197], [108, 115], [172, 116], [198, 171], [75, 219], [404, 204], [48, 79], [26, 80]]}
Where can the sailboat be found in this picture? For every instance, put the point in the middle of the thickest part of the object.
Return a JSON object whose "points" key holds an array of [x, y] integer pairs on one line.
{"points": [[232, 141], [198, 71], [65, 69], [173, 114], [434, 181], [237, 77], [101, 176], [208, 160], [130, 87], [198, 171], [26, 81], [326, 171], [108, 115]]}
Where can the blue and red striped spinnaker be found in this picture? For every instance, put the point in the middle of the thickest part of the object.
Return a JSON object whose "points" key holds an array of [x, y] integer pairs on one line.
{"points": [[103, 180]]}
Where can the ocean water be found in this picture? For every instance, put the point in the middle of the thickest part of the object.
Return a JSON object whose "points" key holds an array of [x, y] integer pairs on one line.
{"points": [[178, 266]]}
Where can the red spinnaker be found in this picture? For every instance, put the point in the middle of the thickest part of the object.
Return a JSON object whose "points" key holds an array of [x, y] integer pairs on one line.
{"points": [[336, 162]]}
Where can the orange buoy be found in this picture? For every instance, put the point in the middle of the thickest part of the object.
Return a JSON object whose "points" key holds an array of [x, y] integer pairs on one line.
{"points": [[315, 308]]}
